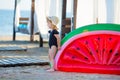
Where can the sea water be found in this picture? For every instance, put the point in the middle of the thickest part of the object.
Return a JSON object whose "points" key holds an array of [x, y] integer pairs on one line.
{"points": [[7, 18], [6, 21]]}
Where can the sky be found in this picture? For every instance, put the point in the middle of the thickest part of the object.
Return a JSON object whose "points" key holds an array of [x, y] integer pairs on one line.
{"points": [[9, 4], [24, 4]]}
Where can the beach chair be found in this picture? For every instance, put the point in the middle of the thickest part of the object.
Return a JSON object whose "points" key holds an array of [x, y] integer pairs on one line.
{"points": [[24, 28], [23, 25]]}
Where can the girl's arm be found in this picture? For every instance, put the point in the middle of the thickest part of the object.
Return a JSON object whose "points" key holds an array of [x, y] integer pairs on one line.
{"points": [[58, 40]]}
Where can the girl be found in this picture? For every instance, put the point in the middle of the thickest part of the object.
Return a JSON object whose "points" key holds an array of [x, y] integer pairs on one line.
{"points": [[54, 40]]}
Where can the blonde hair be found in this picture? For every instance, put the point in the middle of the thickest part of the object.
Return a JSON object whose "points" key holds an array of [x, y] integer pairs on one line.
{"points": [[54, 20], [55, 27]]}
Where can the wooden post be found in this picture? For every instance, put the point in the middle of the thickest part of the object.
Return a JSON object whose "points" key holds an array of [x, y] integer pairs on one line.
{"points": [[67, 21], [74, 13], [64, 5], [32, 20], [14, 33], [97, 20], [41, 40]]}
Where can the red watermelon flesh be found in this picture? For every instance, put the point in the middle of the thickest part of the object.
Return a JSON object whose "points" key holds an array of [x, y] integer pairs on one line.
{"points": [[94, 52]]}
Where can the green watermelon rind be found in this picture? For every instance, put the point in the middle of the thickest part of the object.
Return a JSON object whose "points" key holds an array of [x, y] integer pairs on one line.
{"points": [[92, 27]]}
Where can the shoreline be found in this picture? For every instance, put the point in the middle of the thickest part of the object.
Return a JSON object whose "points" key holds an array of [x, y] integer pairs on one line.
{"points": [[20, 38]]}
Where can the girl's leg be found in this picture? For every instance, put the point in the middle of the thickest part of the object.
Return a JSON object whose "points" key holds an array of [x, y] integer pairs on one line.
{"points": [[52, 53]]}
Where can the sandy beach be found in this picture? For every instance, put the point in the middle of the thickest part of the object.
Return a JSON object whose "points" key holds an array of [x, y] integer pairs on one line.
{"points": [[38, 72], [33, 48]]}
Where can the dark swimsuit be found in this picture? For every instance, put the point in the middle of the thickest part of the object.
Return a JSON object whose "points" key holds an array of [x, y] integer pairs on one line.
{"points": [[52, 38]]}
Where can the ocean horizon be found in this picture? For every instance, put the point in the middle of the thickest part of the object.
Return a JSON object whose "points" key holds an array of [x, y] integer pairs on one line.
{"points": [[6, 21]]}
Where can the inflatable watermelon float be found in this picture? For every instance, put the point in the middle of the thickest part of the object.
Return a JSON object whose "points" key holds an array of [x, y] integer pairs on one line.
{"points": [[93, 49]]}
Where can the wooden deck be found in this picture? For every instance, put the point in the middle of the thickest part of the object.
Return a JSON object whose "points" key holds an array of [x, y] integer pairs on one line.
{"points": [[12, 62], [13, 48]]}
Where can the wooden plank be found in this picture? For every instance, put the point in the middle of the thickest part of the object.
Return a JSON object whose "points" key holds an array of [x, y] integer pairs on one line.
{"points": [[65, 31], [9, 62], [66, 21], [3, 62], [15, 60], [23, 19], [23, 23], [14, 48]]}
